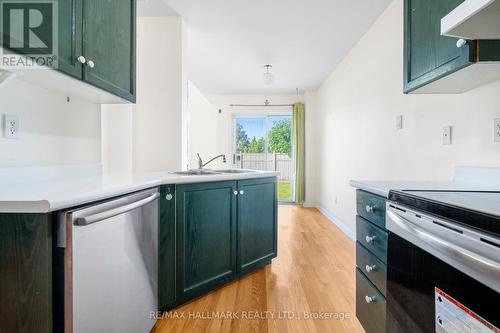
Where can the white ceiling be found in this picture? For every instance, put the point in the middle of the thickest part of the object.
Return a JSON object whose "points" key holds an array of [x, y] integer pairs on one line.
{"points": [[229, 41]]}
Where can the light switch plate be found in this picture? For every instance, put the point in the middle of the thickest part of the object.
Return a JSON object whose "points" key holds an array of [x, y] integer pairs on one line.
{"points": [[447, 135], [11, 126], [399, 122], [496, 130]]}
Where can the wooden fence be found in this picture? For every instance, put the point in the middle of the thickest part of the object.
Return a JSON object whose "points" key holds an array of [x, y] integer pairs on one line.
{"points": [[272, 161]]}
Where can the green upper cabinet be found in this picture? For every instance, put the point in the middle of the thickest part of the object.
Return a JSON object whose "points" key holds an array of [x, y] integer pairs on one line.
{"points": [[109, 45], [97, 42], [428, 55], [257, 223], [206, 236], [69, 41], [439, 64]]}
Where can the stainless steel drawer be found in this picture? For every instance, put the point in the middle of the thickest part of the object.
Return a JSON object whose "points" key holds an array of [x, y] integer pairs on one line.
{"points": [[372, 237], [370, 305], [372, 267], [371, 207]]}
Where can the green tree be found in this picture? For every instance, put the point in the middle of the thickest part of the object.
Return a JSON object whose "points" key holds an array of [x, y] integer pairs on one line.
{"points": [[280, 140], [256, 146], [242, 141]]}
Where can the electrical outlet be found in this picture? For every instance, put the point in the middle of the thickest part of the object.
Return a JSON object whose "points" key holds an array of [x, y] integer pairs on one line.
{"points": [[399, 122], [11, 126], [496, 130], [447, 135]]}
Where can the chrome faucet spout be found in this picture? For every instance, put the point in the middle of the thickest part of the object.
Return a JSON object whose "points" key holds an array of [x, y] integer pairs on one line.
{"points": [[201, 164]]}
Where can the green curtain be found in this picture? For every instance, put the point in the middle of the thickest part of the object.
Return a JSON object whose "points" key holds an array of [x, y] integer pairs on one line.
{"points": [[298, 125]]}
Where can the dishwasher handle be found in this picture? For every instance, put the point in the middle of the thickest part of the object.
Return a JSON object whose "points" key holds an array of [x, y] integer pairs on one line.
{"points": [[86, 220]]}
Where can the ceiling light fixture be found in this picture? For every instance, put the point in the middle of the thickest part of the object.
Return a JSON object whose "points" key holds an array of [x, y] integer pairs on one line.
{"points": [[268, 77]]}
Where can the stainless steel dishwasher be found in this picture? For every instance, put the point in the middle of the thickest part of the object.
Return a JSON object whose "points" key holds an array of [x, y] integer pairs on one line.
{"points": [[109, 251]]}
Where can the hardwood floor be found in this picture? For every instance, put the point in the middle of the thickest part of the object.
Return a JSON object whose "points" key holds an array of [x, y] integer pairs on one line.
{"points": [[314, 273]]}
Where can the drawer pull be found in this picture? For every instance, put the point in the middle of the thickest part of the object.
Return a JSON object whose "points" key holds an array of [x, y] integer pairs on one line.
{"points": [[371, 268], [370, 209], [370, 239], [370, 299]]}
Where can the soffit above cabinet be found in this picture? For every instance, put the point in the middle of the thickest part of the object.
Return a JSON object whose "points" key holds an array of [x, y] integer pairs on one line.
{"points": [[473, 19]]}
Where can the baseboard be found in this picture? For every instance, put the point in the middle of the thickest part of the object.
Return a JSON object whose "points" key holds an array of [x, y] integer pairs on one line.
{"points": [[341, 225]]}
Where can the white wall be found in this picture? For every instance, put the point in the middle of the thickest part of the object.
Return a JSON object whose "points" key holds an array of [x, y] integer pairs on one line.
{"points": [[117, 139], [158, 114], [354, 118], [52, 130], [202, 127], [225, 118]]}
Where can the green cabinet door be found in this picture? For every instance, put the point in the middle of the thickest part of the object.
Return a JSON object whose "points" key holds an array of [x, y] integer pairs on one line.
{"points": [[70, 37], [167, 291], [109, 45], [257, 223], [428, 56], [26, 273], [206, 236]]}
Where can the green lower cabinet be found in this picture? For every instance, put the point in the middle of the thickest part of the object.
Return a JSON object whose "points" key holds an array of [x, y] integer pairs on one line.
{"points": [[206, 237], [167, 294], [212, 233], [370, 305], [257, 223], [26, 271]]}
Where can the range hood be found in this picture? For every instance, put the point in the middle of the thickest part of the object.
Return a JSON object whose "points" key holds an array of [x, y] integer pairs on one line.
{"points": [[473, 19]]}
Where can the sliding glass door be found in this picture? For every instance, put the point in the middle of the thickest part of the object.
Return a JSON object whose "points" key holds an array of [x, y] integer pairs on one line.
{"points": [[264, 142]]}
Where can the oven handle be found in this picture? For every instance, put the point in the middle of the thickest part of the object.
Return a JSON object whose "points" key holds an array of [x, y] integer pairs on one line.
{"points": [[86, 220], [473, 260]]}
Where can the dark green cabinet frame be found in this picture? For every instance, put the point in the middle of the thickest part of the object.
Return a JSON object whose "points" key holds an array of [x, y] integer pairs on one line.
{"points": [[104, 32], [26, 299], [210, 236], [428, 56], [257, 238]]}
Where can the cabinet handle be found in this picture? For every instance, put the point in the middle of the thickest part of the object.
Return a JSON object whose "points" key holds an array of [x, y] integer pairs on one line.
{"points": [[235, 192], [461, 42], [242, 192], [370, 299], [370, 209], [90, 63], [169, 197], [81, 59], [370, 268], [370, 239]]}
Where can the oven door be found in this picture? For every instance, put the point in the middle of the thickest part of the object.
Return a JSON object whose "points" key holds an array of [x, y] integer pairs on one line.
{"points": [[440, 276]]}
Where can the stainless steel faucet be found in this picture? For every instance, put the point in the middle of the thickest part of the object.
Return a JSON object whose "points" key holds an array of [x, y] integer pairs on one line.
{"points": [[201, 164]]}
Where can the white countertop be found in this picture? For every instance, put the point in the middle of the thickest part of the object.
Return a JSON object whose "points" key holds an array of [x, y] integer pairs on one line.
{"points": [[465, 179], [55, 194], [382, 188]]}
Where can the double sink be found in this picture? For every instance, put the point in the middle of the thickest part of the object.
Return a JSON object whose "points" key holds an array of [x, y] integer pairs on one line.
{"points": [[208, 172]]}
